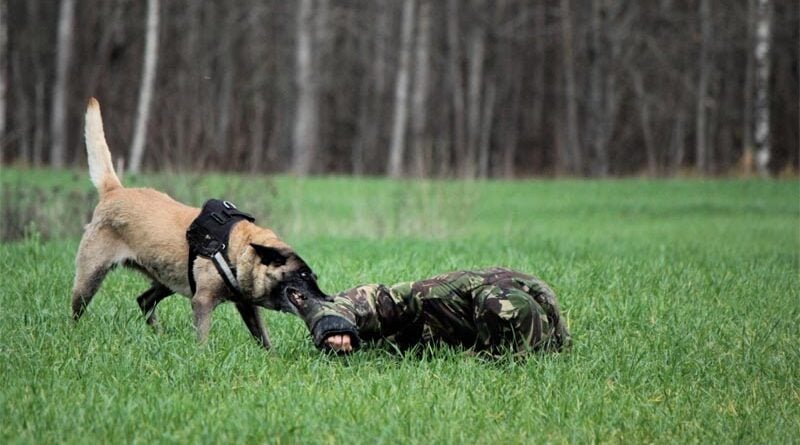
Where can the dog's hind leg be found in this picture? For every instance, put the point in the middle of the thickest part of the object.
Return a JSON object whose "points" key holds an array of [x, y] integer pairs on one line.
{"points": [[252, 319], [86, 285], [150, 299], [95, 258]]}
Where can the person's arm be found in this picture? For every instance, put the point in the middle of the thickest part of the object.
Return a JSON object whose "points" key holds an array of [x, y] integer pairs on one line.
{"points": [[332, 327], [378, 312]]}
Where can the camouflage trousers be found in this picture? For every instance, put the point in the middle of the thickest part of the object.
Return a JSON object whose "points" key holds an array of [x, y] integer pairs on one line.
{"points": [[508, 317], [492, 310]]}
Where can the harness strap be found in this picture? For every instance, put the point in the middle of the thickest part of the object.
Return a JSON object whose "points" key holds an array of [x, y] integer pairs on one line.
{"points": [[225, 270], [208, 237]]}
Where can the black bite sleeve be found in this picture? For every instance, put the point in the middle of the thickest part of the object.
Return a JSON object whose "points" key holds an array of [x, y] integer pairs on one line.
{"points": [[333, 325]]}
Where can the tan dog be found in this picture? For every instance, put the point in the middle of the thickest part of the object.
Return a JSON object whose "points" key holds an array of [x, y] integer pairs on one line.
{"points": [[146, 230]]}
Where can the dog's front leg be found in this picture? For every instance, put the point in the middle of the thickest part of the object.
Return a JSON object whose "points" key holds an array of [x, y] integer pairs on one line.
{"points": [[203, 303], [252, 319]]}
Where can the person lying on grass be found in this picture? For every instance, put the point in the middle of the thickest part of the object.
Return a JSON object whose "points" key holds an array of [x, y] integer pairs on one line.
{"points": [[492, 310]]}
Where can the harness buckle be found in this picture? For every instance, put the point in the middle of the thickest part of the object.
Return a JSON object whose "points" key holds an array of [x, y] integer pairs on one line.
{"points": [[220, 218]]}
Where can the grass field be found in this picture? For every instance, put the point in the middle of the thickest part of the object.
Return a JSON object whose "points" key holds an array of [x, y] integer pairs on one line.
{"points": [[683, 298]]}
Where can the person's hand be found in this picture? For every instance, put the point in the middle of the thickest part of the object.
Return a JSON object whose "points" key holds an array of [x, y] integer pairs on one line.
{"points": [[336, 333], [340, 343]]}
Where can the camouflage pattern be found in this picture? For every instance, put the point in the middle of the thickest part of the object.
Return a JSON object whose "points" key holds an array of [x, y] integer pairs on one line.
{"points": [[490, 310]]}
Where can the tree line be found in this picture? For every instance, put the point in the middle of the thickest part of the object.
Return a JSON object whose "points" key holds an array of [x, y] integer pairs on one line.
{"points": [[430, 88]]}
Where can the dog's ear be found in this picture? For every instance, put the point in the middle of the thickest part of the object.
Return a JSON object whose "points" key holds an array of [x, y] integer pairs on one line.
{"points": [[269, 255]]}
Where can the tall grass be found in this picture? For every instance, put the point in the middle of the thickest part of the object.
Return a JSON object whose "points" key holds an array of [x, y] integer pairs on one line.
{"points": [[682, 297]]}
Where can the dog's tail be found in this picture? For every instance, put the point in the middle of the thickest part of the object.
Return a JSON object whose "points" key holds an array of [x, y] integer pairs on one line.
{"points": [[101, 169]]}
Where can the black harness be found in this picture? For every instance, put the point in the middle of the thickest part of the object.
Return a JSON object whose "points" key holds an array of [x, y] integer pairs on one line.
{"points": [[208, 237]]}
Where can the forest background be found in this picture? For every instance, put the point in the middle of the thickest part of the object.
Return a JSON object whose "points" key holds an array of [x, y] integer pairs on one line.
{"points": [[418, 88]]}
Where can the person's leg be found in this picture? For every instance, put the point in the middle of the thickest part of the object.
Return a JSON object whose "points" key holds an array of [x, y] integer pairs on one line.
{"points": [[546, 299], [506, 317]]}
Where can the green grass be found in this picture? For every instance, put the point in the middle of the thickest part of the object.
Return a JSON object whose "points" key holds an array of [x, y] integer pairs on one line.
{"points": [[682, 298]]}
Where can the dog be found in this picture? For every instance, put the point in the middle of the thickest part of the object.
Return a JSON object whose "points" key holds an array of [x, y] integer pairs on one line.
{"points": [[146, 230]]}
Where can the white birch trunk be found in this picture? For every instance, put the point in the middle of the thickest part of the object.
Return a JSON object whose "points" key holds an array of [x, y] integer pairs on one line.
{"points": [[305, 134], [58, 115], [701, 127], [3, 71], [380, 46], [598, 74], [678, 144], [456, 79], [322, 40], [537, 107], [371, 106], [509, 124], [397, 147], [228, 65], [258, 52], [762, 61], [747, 137], [24, 117], [419, 115], [573, 151], [39, 120], [644, 120], [477, 49], [146, 88], [487, 120]]}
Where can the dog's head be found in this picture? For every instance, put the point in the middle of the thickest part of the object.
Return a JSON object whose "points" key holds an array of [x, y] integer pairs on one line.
{"points": [[278, 278]]}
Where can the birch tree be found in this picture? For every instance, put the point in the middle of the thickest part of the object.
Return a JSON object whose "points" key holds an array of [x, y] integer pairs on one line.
{"points": [[476, 55], [419, 100], [574, 160], [608, 36], [701, 117], [487, 118], [258, 51], [747, 130], [305, 134], [762, 62], [598, 64], [371, 110], [58, 114], [537, 98], [455, 78], [146, 88], [398, 142], [3, 72], [644, 120], [228, 69]]}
